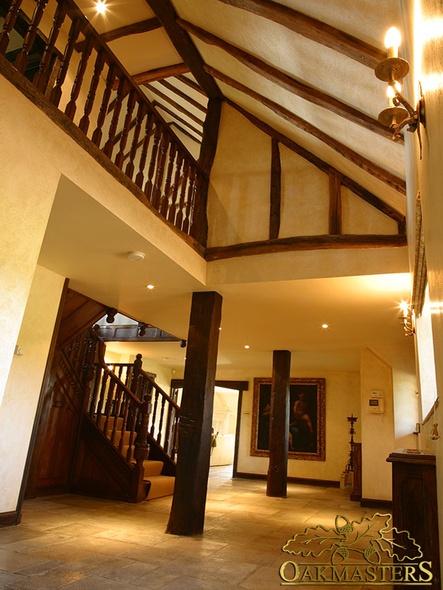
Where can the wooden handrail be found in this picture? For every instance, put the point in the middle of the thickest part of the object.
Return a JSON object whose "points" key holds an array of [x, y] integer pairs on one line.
{"points": [[86, 82]]}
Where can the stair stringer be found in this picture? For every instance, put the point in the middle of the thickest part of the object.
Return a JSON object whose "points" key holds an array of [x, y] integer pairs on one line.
{"points": [[101, 471]]}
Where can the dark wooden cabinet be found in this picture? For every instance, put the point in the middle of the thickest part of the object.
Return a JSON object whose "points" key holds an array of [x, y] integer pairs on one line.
{"points": [[414, 502]]}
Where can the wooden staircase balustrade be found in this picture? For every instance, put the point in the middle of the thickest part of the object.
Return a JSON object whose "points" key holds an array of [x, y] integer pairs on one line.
{"points": [[164, 414], [126, 404], [88, 84]]}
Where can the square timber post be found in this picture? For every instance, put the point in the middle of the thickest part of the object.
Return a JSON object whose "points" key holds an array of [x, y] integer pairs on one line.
{"points": [[279, 427], [194, 435]]}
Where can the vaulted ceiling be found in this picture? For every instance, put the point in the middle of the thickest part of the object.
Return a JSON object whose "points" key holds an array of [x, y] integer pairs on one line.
{"points": [[302, 71]]}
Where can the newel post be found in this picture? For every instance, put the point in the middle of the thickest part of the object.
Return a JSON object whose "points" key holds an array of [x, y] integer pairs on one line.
{"points": [[141, 452], [136, 368]]}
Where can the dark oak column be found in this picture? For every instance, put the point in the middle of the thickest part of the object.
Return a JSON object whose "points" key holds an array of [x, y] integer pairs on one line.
{"points": [[279, 427], [194, 436]]}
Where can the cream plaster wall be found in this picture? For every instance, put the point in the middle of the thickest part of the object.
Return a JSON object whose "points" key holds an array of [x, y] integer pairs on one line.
{"points": [[24, 383], [427, 177], [377, 430], [342, 399], [238, 200], [239, 203], [29, 181]]}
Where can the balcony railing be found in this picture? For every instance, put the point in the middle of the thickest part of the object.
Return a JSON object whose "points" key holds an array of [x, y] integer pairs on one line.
{"points": [[60, 52]]}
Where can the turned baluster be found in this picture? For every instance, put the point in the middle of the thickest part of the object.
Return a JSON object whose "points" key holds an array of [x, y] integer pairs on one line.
{"points": [[23, 57], [101, 399], [78, 81], [156, 194], [182, 201], [8, 25], [117, 105], [125, 416], [98, 68], [131, 425], [139, 179], [116, 412], [154, 413], [42, 75], [153, 161], [126, 128], [167, 190], [98, 133], [175, 187], [74, 32], [190, 201], [141, 450], [129, 170], [160, 424]]}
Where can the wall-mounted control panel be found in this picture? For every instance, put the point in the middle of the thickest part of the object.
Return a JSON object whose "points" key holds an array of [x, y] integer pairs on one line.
{"points": [[376, 402]]}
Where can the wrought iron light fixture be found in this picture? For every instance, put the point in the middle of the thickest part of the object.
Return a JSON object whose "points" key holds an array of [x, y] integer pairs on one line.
{"points": [[400, 113], [407, 319]]}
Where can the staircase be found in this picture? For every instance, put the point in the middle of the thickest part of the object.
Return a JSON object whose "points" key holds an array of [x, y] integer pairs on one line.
{"points": [[128, 433]]}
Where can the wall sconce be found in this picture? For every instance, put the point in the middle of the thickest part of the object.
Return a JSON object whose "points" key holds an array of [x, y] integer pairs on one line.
{"points": [[400, 113], [434, 434], [406, 318]]}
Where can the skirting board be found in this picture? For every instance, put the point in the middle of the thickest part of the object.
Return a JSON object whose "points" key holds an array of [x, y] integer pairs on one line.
{"points": [[10, 518], [301, 480], [374, 503]]}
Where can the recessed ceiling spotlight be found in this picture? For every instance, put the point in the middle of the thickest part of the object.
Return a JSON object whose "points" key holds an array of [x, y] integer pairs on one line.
{"points": [[100, 6], [246, 345], [325, 326], [136, 255], [150, 287]]}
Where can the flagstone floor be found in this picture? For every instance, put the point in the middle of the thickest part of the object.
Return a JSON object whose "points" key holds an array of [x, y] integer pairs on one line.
{"points": [[81, 543]]}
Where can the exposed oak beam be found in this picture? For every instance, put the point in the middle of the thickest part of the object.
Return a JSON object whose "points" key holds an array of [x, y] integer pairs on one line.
{"points": [[184, 131], [143, 26], [157, 74], [324, 242], [335, 205], [177, 118], [313, 29], [177, 106], [352, 156], [327, 168], [180, 39], [275, 192], [287, 82], [184, 96], [161, 73], [191, 84]]}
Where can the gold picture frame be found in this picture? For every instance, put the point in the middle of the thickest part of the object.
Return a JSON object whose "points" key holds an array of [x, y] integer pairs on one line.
{"points": [[307, 421]]}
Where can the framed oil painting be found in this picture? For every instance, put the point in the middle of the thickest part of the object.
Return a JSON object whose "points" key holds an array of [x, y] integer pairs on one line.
{"points": [[306, 418]]}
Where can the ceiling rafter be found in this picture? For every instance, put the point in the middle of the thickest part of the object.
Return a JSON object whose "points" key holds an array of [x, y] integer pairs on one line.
{"points": [[348, 153], [172, 102], [191, 84], [161, 73], [287, 82], [352, 185], [313, 29], [182, 95], [144, 26], [184, 131], [156, 75], [177, 118], [184, 46]]}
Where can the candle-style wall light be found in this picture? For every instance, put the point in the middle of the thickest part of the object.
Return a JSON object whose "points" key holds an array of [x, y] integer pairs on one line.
{"points": [[400, 113]]}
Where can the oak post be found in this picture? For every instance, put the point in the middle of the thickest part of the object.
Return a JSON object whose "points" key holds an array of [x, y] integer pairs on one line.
{"points": [[194, 437], [279, 427]]}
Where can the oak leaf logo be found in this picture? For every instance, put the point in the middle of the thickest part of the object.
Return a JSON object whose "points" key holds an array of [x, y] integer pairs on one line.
{"points": [[368, 537]]}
